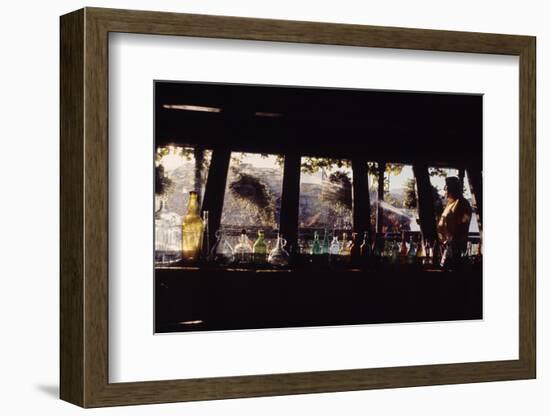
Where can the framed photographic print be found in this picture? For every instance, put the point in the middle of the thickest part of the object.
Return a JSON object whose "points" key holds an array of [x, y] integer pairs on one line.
{"points": [[256, 207]]}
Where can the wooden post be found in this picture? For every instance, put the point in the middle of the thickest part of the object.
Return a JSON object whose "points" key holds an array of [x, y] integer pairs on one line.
{"points": [[215, 190], [381, 170], [361, 197], [474, 176], [290, 199], [426, 209]]}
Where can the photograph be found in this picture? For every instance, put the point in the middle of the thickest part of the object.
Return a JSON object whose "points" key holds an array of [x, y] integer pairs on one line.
{"points": [[283, 204], [280, 206]]}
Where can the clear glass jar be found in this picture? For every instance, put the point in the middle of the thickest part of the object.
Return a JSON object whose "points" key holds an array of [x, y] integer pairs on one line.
{"points": [[167, 235]]}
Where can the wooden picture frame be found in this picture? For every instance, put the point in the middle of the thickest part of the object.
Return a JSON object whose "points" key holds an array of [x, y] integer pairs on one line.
{"points": [[84, 207]]}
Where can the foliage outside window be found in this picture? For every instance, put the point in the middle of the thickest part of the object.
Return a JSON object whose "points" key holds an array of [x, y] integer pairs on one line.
{"points": [[253, 192], [399, 209], [325, 196], [179, 170]]}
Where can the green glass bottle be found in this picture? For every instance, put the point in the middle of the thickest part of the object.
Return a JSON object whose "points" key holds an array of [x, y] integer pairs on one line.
{"points": [[325, 246], [259, 249], [316, 245]]}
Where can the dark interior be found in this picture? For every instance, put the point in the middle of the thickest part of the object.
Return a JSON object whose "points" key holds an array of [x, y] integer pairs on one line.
{"points": [[421, 129]]}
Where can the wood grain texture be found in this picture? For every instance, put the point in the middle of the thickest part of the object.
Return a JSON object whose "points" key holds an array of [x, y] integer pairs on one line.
{"points": [[527, 207], [84, 207], [71, 210]]}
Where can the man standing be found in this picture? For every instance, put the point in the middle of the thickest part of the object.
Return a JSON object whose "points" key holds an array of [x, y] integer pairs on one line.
{"points": [[454, 224]]}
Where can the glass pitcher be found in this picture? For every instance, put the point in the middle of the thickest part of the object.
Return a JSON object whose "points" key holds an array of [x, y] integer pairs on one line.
{"points": [[279, 257]]}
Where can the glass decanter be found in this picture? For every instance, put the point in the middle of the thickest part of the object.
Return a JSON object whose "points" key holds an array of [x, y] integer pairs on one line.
{"points": [[243, 249], [334, 248], [222, 252], [279, 257]]}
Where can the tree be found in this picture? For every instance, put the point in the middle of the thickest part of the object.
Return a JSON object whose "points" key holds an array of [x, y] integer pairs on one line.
{"points": [[314, 164], [254, 193], [196, 153], [338, 190], [410, 200]]}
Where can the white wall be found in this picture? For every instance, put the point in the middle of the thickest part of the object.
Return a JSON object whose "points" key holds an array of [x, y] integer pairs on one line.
{"points": [[29, 212]]}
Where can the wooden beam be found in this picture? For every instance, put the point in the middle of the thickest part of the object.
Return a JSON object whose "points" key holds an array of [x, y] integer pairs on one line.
{"points": [[381, 169], [290, 199], [215, 189], [475, 179], [426, 209], [361, 197]]}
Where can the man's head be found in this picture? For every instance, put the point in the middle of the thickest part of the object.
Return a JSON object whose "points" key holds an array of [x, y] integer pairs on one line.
{"points": [[452, 187]]}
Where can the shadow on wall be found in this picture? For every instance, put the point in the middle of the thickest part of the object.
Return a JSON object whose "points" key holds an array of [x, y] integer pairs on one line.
{"points": [[49, 390]]}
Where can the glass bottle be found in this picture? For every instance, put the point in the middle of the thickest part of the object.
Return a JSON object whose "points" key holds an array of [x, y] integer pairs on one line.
{"points": [[386, 252], [243, 250], [205, 244], [428, 257], [412, 251], [279, 257], [365, 248], [191, 230], [354, 247], [378, 249], [421, 251], [222, 252], [394, 251], [404, 250], [302, 246], [325, 246], [344, 248], [259, 249], [162, 229], [167, 234], [316, 248], [334, 248]]}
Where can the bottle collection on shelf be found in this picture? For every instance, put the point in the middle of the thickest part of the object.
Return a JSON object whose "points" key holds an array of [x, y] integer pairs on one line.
{"points": [[194, 246]]}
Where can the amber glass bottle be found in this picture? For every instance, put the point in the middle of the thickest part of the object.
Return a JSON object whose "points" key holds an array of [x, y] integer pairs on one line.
{"points": [[192, 228]]}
